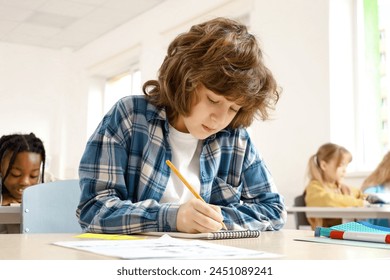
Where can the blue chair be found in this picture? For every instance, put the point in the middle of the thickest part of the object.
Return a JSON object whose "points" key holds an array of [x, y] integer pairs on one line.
{"points": [[51, 208]]}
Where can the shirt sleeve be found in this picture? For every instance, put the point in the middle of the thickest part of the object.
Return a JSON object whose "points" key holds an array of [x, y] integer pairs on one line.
{"points": [[259, 207], [252, 202], [108, 203], [318, 195]]}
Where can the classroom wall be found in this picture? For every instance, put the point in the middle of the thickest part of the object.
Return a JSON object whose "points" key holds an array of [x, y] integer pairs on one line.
{"points": [[49, 92], [35, 85]]}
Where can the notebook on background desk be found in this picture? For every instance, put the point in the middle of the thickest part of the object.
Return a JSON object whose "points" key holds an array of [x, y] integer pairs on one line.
{"points": [[364, 231]]}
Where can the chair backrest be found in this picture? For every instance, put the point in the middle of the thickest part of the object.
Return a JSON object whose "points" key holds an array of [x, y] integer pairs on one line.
{"points": [[51, 207], [300, 217]]}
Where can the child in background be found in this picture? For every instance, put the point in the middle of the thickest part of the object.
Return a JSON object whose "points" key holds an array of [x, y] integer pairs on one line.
{"points": [[211, 85], [326, 169], [22, 158], [376, 183], [22, 164], [380, 177]]}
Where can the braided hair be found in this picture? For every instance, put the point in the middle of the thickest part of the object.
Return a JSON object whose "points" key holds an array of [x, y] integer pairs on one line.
{"points": [[17, 143]]}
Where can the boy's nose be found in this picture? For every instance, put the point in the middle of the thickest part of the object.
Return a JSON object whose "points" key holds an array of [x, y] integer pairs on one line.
{"points": [[218, 117]]}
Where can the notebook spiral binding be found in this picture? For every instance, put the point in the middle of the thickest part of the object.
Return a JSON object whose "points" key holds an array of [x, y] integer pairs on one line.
{"points": [[236, 234]]}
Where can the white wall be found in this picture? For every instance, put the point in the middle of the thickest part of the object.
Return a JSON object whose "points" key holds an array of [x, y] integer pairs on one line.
{"points": [[295, 40], [47, 91], [34, 87]]}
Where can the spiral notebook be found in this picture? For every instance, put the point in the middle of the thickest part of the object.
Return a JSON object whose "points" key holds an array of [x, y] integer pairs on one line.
{"points": [[223, 234]]}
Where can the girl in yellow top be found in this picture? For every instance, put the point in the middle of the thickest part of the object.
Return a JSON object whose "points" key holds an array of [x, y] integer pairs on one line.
{"points": [[326, 169]]}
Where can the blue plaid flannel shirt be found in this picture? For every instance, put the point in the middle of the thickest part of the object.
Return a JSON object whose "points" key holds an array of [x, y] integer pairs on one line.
{"points": [[123, 175]]}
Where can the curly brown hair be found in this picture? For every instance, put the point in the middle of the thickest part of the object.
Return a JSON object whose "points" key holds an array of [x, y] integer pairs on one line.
{"points": [[226, 59]]}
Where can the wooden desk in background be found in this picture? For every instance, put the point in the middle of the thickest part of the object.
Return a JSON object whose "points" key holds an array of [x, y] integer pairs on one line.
{"points": [[39, 247], [347, 214], [10, 214]]}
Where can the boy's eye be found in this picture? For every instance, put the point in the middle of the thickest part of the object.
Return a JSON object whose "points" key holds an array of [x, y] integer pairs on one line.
{"points": [[234, 110], [212, 101], [15, 174]]}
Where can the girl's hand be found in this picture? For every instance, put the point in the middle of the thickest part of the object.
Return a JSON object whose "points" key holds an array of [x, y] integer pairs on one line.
{"points": [[8, 199], [345, 189], [197, 216]]}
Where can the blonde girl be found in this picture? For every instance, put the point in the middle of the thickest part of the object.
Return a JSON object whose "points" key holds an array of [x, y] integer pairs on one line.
{"points": [[326, 169]]}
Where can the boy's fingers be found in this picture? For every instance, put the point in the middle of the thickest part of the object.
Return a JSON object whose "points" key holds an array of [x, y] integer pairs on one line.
{"points": [[209, 210], [198, 216]]}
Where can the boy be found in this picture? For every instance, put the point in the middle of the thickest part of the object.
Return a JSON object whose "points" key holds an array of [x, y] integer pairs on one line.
{"points": [[211, 85]]}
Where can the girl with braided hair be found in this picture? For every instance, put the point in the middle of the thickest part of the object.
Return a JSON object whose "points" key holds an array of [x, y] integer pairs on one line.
{"points": [[22, 164]]}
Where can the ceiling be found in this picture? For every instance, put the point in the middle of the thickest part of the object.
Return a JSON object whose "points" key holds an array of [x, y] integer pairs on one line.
{"points": [[70, 24]]}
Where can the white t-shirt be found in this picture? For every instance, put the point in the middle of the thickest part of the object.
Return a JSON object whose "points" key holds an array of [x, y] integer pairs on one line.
{"points": [[185, 156]]}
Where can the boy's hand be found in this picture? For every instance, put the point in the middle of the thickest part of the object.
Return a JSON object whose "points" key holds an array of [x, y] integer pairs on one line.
{"points": [[197, 216]]}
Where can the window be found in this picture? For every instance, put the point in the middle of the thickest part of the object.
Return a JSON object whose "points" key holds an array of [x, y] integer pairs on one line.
{"points": [[384, 73], [106, 89], [373, 82], [128, 83]]}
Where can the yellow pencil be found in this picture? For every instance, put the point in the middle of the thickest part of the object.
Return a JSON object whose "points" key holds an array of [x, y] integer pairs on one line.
{"points": [[176, 171]]}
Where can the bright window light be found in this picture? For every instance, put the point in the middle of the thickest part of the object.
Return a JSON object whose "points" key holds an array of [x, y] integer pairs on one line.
{"points": [[128, 83]]}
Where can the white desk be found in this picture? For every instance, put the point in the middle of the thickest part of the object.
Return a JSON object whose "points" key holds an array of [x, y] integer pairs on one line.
{"points": [[10, 215], [345, 213], [39, 247]]}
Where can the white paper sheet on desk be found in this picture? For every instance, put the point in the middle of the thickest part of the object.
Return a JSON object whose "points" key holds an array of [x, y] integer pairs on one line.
{"points": [[164, 248]]}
